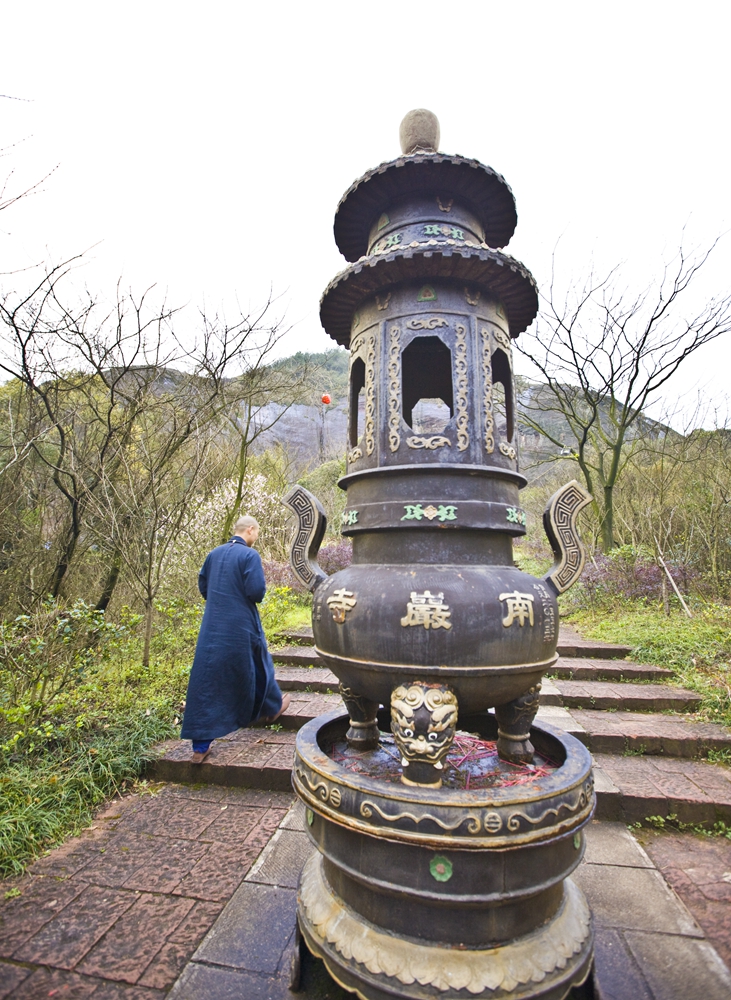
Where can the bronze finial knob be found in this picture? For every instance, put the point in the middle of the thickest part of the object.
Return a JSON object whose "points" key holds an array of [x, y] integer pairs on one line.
{"points": [[419, 132]]}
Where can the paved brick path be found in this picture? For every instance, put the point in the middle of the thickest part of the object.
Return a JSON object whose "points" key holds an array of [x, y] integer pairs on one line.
{"points": [[116, 913], [699, 870]]}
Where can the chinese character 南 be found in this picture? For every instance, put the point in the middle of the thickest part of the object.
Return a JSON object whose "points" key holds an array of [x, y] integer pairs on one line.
{"points": [[340, 603], [349, 517], [427, 609], [520, 607], [515, 515]]}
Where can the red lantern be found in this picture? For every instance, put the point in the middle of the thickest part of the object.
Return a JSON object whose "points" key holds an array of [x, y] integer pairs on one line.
{"points": [[326, 399]]}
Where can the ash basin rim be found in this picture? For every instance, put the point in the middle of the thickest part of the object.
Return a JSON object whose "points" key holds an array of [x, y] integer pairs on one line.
{"points": [[310, 752]]}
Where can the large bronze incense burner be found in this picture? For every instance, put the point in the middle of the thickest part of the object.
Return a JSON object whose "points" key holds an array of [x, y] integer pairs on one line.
{"points": [[426, 885]]}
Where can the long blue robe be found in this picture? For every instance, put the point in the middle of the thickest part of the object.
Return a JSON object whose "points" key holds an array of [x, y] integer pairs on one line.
{"points": [[232, 679]]}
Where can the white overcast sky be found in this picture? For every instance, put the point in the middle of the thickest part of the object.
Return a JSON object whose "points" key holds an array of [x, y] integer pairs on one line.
{"points": [[203, 147]]}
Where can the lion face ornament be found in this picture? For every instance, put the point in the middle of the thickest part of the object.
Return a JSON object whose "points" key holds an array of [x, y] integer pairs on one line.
{"points": [[423, 722]]}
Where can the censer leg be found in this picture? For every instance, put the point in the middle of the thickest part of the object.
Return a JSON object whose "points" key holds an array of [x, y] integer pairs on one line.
{"points": [[514, 721], [363, 733], [423, 722]]}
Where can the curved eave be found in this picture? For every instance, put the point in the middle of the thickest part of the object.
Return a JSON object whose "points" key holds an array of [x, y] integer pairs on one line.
{"points": [[481, 187], [496, 273]]}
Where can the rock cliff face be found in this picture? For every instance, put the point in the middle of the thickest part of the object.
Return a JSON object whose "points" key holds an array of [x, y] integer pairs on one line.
{"points": [[311, 434], [317, 434]]}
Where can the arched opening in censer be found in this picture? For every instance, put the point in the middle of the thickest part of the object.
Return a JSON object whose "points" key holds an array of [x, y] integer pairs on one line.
{"points": [[426, 374], [357, 401], [502, 399]]}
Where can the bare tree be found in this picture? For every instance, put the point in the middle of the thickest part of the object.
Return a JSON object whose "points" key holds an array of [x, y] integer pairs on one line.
{"points": [[79, 403], [95, 382], [604, 354]]}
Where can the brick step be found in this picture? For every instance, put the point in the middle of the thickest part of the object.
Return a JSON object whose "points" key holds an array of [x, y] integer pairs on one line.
{"points": [[570, 694], [307, 679], [603, 696], [248, 758], [638, 733], [314, 690], [587, 669], [571, 644], [629, 788], [297, 656], [294, 637]]}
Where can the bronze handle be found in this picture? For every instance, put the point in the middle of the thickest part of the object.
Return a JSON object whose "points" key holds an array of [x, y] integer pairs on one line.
{"points": [[306, 541], [559, 522]]}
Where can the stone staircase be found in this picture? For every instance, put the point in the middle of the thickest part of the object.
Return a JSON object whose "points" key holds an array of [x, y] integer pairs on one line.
{"points": [[650, 752]]}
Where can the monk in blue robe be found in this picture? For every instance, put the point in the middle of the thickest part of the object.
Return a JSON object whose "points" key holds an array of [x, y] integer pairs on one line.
{"points": [[232, 680]]}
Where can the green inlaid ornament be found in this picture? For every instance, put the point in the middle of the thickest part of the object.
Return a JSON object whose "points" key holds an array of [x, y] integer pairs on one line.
{"points": [[440, 868]]}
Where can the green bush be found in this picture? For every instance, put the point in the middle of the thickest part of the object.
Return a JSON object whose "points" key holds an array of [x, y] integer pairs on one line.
{"points": [[84, 717], [43, 654]]}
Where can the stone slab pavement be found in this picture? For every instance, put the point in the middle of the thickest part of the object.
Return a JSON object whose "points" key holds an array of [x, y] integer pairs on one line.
{"points": [[699, 870], [116, 913], [648, 944]]}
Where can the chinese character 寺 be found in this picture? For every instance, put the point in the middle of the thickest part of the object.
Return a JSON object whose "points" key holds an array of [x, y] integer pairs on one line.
{"points": [[427, 609], [340, 603], [520, 607]]}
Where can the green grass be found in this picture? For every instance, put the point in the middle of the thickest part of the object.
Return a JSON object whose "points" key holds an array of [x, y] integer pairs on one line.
{"points": [[671, 822], [92, 742], [697, 649], [297, 617]]}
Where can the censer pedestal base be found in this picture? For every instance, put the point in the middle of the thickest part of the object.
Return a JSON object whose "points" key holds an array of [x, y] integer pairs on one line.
{"points": [[376, 965], [452, 892]]}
